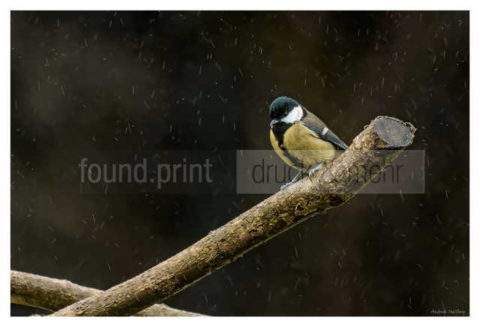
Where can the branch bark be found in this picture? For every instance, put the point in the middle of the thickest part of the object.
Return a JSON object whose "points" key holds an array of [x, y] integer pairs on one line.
{"points": [[54, 294], [328, 188]]}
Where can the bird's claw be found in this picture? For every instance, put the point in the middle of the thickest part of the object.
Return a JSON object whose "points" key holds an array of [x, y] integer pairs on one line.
{"points": [[297, 177], [312, 171], [284, 186]]}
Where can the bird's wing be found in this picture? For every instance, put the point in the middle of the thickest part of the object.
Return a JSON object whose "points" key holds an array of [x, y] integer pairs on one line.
{"points": [[322, 131]]}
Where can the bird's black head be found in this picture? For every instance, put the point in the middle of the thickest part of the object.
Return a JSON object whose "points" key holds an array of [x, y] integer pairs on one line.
{"points": [[281, 107], [285, 111]]}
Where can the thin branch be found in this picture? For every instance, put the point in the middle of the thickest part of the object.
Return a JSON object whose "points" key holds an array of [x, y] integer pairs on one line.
{"points": [[328, 188], [54, 294]]}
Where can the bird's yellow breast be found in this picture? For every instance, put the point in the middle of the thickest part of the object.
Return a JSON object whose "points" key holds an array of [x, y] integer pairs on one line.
{"points": [[302, 148], [280, 152]]}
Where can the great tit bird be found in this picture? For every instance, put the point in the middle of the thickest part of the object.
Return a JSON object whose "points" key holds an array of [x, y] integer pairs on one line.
{"points": [[300, 138]]}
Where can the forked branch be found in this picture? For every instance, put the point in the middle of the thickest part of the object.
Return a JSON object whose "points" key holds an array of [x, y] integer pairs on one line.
{"points": [[376, 146], [54, 294]]}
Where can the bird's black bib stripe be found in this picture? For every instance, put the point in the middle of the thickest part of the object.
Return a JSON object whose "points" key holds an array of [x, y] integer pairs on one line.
{"points": [[279, 131]]}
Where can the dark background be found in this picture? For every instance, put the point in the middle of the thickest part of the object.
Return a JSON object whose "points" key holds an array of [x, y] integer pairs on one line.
{"points": [[94, 83]]}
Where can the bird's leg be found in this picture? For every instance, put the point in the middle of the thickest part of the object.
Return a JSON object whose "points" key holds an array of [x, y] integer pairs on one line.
{"points": [[295, 179], [315, 169]]}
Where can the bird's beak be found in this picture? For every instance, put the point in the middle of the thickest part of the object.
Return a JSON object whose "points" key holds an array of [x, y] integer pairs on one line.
{"points": [[273, 122]]}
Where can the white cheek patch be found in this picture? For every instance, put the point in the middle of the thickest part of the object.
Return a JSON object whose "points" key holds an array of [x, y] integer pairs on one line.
{"points": [[293, 116]]}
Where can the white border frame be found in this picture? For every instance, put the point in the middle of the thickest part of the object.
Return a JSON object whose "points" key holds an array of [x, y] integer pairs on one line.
{"points": [[8, 5]]}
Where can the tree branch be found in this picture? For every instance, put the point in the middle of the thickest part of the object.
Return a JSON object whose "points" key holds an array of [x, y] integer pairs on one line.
{"points": [[328, 188], [54, 294]]}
